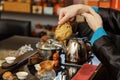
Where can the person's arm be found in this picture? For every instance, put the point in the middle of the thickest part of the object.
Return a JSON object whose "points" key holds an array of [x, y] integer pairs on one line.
{"points": [[103, 47], [109, 55], [111, 19], [97, 34]]}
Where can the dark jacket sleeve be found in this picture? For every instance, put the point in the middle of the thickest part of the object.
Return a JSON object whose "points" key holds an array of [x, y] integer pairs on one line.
{"points": [[107, 52], [106, 48], [111, 20]]}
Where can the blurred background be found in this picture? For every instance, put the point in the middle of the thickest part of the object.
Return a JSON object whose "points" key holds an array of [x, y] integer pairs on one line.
{"points": [[43, 14]]}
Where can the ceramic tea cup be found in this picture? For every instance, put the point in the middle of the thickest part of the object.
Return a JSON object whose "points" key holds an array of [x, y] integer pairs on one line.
{"points": [[10, 60]]}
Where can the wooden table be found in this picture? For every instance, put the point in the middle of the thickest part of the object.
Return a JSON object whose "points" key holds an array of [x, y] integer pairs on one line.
{"points": [[16, 42]]}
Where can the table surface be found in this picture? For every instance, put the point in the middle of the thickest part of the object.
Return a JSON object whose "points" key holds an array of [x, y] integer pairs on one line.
{"points": [[16, 42]]}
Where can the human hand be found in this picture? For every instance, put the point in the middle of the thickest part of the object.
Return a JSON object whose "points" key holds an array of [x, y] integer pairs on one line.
{"points": [[68, 13], [94, 20]]}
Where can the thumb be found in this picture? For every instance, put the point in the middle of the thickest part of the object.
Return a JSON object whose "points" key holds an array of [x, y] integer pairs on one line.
{"points": [[86, 15]]}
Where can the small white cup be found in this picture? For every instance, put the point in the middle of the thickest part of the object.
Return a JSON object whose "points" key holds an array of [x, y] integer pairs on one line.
{"points": [[10, 59], [22, 75], [37, 67]]}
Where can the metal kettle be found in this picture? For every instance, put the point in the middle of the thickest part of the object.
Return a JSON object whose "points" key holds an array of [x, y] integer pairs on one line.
{"points": [[76, 51]]}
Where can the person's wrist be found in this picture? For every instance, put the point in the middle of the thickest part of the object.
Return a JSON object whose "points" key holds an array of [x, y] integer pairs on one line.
{"points": [[96, 28], [97, 34]]}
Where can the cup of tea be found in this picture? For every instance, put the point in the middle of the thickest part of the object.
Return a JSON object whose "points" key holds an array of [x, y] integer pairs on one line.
{"points": [[10, 60], [22, 75]]}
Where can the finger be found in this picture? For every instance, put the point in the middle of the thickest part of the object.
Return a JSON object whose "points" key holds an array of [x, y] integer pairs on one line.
{"points": [[61, 14], [63, 20], [86, 15], [72, 18]]}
